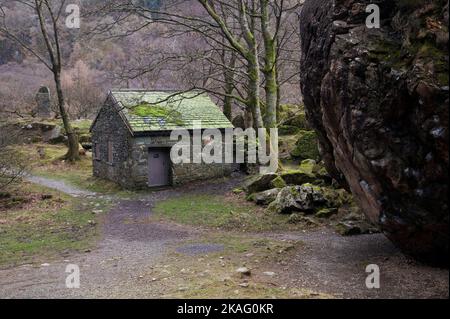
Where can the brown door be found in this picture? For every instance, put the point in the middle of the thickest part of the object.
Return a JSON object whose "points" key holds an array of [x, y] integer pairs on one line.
{"points": [[159, 167]]}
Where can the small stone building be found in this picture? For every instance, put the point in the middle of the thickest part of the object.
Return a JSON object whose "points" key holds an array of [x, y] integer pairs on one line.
{"points": [[131, 137]]}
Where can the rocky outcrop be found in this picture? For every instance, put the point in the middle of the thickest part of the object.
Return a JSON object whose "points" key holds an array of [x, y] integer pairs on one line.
{"points": [[378, 100]]}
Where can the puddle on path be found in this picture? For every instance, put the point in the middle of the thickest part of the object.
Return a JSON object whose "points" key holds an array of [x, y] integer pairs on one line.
{"points": [[199, 249]]}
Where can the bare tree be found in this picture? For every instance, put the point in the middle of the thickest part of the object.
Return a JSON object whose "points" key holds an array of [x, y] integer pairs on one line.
{"points": [[49, 24], [244, 46]]}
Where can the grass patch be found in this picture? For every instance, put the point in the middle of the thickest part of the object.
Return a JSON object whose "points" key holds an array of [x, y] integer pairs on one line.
{"points": [[231, 212], [40, 227], [82, 126]]}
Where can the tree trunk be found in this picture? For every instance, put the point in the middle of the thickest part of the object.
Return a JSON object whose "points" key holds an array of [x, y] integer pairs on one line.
{"points": [[228, 74], [270, 117], [278, 95], [228, 104], [254, 91], [269, 69], [73, 153]]}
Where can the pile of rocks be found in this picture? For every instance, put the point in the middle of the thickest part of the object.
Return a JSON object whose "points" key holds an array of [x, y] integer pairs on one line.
{"points": [[307, 194]]}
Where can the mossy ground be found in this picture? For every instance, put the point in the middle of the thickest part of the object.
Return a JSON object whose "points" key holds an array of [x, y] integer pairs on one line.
{"points": [[35, 228]]}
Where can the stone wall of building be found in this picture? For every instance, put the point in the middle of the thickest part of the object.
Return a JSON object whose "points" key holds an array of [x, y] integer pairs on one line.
{"points": [[109, 127], [180, 173]]}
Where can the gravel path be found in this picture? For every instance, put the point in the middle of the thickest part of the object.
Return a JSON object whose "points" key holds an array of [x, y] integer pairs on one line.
{"points": [[60, 186], [333, 264], [130, 245]]}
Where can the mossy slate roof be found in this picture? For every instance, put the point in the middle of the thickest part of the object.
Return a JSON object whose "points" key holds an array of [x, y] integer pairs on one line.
{"points": [[188, 107]]}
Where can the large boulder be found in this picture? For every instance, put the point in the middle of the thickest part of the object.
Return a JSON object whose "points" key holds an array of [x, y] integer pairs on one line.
{"points": [[378, 100]]}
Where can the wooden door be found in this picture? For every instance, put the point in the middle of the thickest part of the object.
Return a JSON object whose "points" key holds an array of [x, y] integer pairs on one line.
{"points": [[159, 167]]}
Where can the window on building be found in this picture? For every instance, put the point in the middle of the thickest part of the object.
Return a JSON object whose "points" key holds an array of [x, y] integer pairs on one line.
{"points": [[110, 152], [96, 150]]}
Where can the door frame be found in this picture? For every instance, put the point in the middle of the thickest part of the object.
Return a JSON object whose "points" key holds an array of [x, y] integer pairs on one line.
{"points": [[165, 149]]}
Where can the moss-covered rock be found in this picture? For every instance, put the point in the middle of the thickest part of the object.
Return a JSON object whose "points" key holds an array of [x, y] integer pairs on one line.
{"points": [[402, 78], [279, 182], [266, 197], [305, 198], [320, 172], [298, 177], [306, 146], [260, 183], [308, 166]]}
